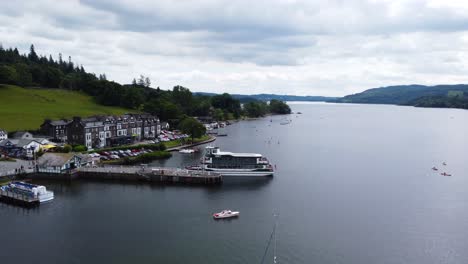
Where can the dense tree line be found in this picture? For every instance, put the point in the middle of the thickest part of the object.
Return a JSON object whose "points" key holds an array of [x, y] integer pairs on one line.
{"points": [[29, 70], [442, 102], [260, 108]]}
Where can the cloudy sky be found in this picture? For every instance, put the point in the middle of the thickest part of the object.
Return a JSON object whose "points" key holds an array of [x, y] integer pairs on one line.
{"points": [[300, 47]]}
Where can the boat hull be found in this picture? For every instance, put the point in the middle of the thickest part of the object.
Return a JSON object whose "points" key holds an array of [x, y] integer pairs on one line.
{"points": [[239, 172], [49, 196], [233, 214]]}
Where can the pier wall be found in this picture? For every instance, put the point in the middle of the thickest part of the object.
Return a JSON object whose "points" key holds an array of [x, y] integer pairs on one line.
{"points": [[51, 176], [153, 178], [122, 173]]}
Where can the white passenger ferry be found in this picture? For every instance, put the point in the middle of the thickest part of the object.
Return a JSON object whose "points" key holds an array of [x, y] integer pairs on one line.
{"points": [[26, 192], [234, 164]]}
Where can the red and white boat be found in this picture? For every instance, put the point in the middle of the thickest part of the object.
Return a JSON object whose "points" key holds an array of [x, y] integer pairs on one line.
{"points": [[225, 214]]}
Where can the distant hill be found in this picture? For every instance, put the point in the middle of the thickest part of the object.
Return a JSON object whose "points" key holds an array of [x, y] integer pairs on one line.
{"points": [[267, 97], [26, 108], [417, 95]]}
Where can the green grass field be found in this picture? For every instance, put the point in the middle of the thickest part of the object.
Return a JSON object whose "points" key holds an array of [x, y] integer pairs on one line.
{"points": [[26, 108]]}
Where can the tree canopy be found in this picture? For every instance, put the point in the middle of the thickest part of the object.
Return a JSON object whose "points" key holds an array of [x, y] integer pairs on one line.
{"points": [[260, 108], [191, 126]]}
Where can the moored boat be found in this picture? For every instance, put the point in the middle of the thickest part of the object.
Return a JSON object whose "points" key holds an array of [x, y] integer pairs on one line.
{"points": [[187, 151], [226, 214], [27, 192], [234, 164]]}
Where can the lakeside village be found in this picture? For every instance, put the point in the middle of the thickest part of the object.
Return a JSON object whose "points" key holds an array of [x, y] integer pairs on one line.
{"points": [[94, 139], [101, 140], [100, 143]]}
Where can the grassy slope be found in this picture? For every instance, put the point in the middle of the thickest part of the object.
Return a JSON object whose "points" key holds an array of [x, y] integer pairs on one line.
{"points": [[26, 109]]}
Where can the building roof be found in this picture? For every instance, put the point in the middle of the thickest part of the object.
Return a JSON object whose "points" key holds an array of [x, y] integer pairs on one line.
{"points": [[54, 159], [85, 158], [18, 142], [3, 133], [4, 142], [20, 134], [60, 122], [24, 142]]}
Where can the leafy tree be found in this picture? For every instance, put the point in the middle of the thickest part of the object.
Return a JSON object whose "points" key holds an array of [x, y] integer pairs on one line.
{"points": [[24, 76], [201, 106], [228, 103], [52, 77], [133, 98], [182, 97], [218, 114], [8, 74], [191, 126], [279, 107], [79, 148], [67, 148], [255, 109], [165, 110]]}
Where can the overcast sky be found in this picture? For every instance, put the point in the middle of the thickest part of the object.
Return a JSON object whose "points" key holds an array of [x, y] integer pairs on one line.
{"points": [[300, 47]]}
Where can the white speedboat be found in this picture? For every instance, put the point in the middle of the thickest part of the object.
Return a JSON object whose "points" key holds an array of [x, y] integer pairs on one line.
{"points": [[187, 151], [225, 214]]}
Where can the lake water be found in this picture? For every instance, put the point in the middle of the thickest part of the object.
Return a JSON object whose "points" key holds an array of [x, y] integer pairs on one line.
{"points": [[353, 185]]}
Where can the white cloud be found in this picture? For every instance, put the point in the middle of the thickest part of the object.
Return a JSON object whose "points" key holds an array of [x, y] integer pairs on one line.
{"points": [[281, 46]]}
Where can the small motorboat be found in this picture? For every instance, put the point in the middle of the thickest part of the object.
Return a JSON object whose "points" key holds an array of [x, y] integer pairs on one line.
{"points": [[443, 163], [225, 214], [434, 169], [187, 151], [193, 167], [445, 174]]}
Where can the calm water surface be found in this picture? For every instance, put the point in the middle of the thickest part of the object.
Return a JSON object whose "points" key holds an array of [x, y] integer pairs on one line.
{"points": [[353, 185]]}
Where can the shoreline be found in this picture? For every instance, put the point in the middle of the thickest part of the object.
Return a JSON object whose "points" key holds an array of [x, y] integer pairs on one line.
{"points": [[211, 139]]}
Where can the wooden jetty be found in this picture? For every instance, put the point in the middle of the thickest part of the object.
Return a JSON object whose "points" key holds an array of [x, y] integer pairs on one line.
{"points": [[149, 174]]}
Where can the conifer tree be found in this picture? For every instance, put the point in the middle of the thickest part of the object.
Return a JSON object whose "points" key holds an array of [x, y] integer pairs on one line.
{"points": [[32, 54]]}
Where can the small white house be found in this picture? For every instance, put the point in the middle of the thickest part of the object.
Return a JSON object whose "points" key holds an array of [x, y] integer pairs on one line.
{"points": [[3, 135], [27, 146]]}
